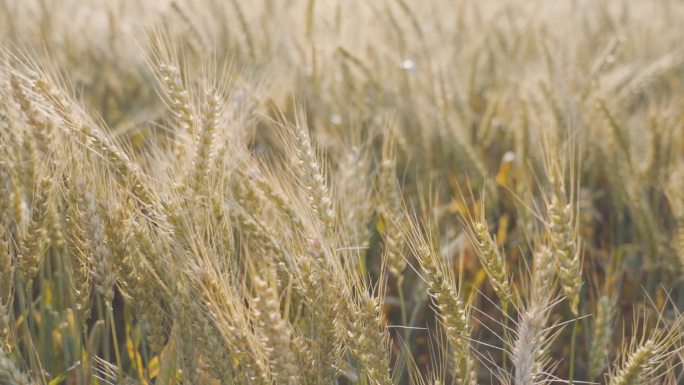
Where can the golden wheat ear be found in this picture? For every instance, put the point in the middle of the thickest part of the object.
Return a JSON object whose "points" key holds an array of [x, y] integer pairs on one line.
{"points": [[644, 357]]}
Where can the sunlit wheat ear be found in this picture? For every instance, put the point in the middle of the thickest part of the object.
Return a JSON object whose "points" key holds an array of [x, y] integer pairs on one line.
{"points": [[543, 278], [453, 311], [206, 355], [42, 127], [529, 351], [353, 182], [602, 332], [7, 199], [563, 235], [361, 322], [327, 307], [154, 317], [180, 105], [103, 268], [643, 359], [139, 285], [311, 173], [119, 232], [259, 236], [394, 244], [390, 212], [178, 96], [368, 339], [492, 259], [276, 334], [266, 185], [155, 322], [79, 263], [230, 319], [36, 241], [29, 162], [78, 126], [638, 366], [204, 146]]}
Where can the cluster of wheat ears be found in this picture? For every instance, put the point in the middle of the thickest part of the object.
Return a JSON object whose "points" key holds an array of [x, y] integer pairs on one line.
{"points": [[341, 192]]}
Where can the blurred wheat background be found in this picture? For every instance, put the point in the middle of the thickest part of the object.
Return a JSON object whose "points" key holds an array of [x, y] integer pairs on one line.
{"points": [[341, 192]]}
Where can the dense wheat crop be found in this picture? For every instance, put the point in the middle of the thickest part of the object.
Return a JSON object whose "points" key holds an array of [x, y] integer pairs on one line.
{"points": [[341, 192]]}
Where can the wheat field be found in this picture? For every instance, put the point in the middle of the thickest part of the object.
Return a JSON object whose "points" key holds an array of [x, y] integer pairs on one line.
{"points": [[372, 192]]}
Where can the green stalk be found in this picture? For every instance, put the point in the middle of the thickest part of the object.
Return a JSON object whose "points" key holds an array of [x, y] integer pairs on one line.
{"points": [[25, 303], [402, 306], [572, 352], [504, 357], [101, 315], [117, 354]]}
